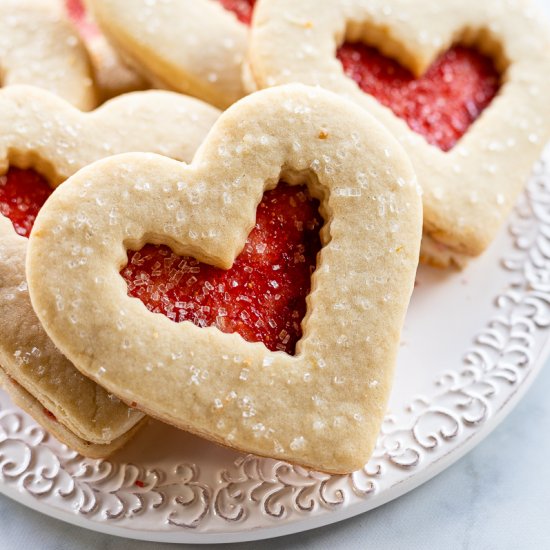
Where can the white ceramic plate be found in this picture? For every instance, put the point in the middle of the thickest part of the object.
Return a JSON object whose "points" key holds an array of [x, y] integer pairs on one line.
{"points": [[473, 342]]}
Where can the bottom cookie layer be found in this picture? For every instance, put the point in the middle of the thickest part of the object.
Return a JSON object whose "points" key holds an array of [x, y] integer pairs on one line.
{"points": [[23, 399], [437, 254]]}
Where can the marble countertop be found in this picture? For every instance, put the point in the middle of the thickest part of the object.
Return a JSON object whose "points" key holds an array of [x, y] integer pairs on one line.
{"points": [[496, 497]]}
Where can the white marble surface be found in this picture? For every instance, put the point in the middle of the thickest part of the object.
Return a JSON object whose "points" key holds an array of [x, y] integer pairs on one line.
{"points": [[497, 497]]}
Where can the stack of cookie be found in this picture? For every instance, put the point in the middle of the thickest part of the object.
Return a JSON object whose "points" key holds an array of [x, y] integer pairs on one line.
{"points": [[245, 275]]}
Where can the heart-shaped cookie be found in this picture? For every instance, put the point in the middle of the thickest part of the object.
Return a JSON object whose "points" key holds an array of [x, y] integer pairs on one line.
{"points": [[192, 46], [112, 76], [321, 407], [41, 131], [40, 47], [469, 190]]}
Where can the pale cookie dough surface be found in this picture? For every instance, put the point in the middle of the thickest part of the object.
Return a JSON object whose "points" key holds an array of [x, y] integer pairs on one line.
{"points": [[192, 46], [322, 407], [40, 47], [112, 76], [468, 191], [31, 359], [41, 131], [27, 402]]}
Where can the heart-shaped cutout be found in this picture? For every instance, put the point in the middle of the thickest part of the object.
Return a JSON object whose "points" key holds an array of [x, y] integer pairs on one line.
{"points": [[42, 131], [262, 296], [469, 190], [191, 46], [322, 407], [441, 104], [40, 47]]}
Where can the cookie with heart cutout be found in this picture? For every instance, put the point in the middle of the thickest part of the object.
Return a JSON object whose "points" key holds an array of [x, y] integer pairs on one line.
{"points": [[456, 56], [112, 76], [43, 141], [192, 46], [322, 406], [40, 47]]}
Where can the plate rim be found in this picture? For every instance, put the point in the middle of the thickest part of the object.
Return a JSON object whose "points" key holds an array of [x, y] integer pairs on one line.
{"points": [[303, 524]]}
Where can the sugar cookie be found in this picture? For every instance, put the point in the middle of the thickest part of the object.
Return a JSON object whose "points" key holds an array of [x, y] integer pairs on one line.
{"points": [[321, 407], [469, 190], [191, 46]]}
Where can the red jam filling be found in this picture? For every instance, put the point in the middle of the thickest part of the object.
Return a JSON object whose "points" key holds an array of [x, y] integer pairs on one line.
{"points": [[22, 194], [241, 8], [440, 105], [49, 414], [262, 296], [77, 13]]}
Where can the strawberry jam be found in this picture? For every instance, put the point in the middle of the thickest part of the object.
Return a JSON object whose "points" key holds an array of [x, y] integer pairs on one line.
{"points": [[262, 296], [241, 8], [49, 414], [22, 194], [440, 105], [77, 13]]}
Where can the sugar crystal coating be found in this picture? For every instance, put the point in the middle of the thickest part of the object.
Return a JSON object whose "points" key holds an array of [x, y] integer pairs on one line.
{"points": [[262, 297], [442, 104]]}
